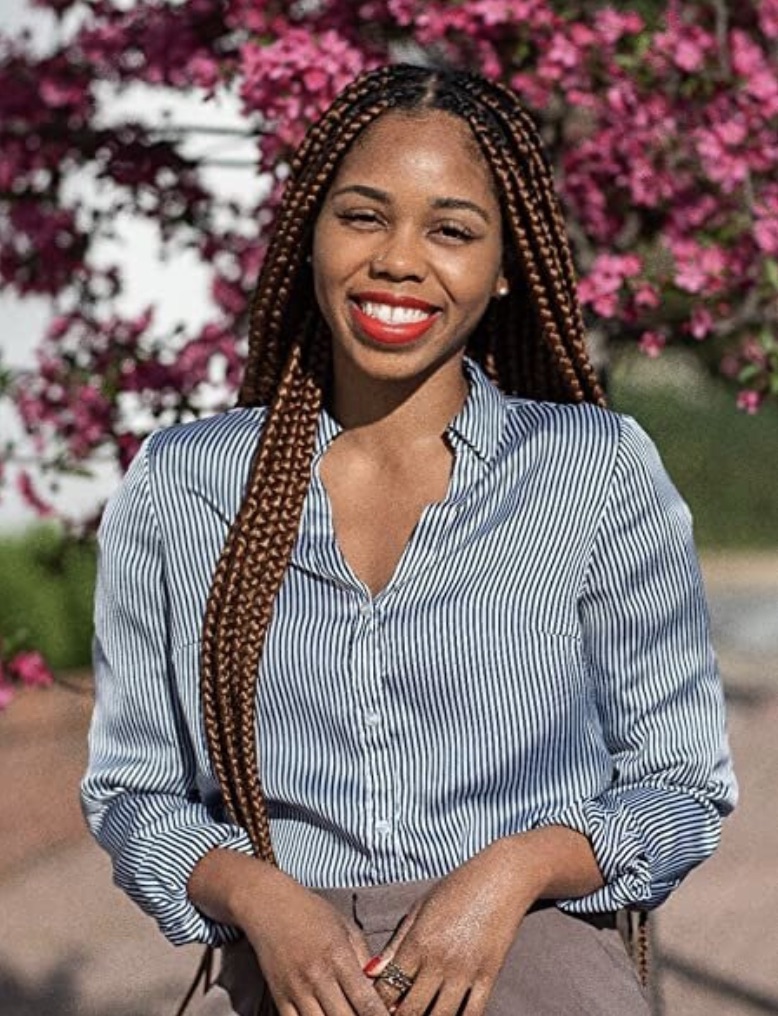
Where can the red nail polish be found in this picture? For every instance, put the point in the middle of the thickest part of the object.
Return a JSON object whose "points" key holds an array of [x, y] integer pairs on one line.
{"points": [[372, 966]]}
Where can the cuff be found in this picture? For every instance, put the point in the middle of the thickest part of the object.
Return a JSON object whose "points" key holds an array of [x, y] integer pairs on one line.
{"points": [[622, 853], [155, 873]]}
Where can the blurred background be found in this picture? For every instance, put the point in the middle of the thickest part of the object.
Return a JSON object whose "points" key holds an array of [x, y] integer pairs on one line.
{"points": [[164, 129]]}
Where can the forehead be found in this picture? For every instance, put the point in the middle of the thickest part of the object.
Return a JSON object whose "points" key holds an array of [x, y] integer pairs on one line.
{"points": [[431, 151]]}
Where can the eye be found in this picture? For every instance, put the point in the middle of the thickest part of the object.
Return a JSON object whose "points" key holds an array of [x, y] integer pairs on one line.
{"points": [[454, 232], [361, 218]]}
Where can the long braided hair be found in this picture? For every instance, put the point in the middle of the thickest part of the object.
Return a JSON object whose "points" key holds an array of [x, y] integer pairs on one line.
{"points": [[530, 343]]}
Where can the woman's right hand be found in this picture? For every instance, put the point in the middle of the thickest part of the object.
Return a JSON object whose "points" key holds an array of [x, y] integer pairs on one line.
{"points": [[311, 958]]}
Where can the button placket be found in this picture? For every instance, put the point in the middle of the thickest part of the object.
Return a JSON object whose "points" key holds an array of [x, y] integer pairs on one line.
{"points": [[374, 736]]}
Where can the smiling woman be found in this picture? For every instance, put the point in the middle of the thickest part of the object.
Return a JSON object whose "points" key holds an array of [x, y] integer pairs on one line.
{"points": [[404, 681]]}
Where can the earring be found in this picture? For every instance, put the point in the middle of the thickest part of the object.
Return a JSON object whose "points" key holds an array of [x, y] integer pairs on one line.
{"points": [[502, 290]]}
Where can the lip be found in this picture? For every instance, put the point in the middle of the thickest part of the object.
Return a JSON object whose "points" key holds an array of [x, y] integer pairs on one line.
{"points": [[391, 335], [394, 300]]}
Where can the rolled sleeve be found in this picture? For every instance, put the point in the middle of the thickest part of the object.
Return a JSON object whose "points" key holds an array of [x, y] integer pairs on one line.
{"points": [[140, 794], [658, 693]]}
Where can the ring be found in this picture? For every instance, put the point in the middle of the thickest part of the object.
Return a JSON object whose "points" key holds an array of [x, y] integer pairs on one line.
{"points": [[393, 975]]}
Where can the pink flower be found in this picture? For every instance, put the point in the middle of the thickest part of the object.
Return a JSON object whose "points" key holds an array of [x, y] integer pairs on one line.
{"points": [[698, 268], [611, 24], [601, 286], [229, 296], [701, 322], [768, 18], [749, 401], [766, 226], [652, 344], [31, 669], [205, 71], [127, 446], [646, 296], [30, 496]]}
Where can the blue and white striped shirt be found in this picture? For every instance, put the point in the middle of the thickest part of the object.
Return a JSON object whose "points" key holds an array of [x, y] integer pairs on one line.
{"points": [[540, 656]]}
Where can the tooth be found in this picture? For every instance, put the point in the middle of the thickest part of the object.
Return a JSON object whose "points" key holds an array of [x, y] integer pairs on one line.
{"points": [[394, 315]]}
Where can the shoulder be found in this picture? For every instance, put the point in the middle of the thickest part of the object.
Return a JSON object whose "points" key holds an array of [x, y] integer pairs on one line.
{"points": [[220, 432], [572, 428], [579, 446], [206, 459], [215, 441]]}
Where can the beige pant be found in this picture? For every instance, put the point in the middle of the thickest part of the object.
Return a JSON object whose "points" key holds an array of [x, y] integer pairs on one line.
{"points": [[558, 965]]}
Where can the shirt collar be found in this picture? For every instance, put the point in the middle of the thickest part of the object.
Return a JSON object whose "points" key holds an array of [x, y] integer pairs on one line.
{"points": [[479, 423]]}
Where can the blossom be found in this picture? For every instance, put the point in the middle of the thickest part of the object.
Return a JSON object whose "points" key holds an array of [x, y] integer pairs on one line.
{"points": [[701, 323], [698, 268], [749, 401], [28, 493], [767, 12], [31, 669], [601, 286], [291, 80], [652, 344], [662, 135], [611, 25]]}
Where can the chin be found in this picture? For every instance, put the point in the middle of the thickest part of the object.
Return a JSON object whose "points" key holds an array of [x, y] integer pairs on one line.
{"points": [[399, 363]]}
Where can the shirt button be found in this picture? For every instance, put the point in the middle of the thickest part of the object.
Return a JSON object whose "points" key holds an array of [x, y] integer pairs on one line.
{"points": [[383, 827], [365, 610], [373, 719]]}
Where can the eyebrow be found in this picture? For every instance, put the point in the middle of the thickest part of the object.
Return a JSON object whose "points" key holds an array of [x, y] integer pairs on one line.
{"points": [[461, 204]]}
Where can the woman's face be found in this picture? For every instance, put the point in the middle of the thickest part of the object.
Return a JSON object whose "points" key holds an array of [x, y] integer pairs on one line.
{"points": [[407, 249]]}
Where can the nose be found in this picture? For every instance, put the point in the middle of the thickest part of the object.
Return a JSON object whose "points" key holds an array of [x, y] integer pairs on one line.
{"points": [[401, 257]]}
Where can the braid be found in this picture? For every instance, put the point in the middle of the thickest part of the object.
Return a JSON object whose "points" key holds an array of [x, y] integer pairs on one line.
{"points": [[531, 343]]}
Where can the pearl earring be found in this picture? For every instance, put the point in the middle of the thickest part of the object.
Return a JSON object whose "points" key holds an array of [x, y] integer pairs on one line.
{"points": [[502, 289]]}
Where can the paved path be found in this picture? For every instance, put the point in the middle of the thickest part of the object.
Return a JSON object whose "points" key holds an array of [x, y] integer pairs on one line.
{"points": [[71, 945]]}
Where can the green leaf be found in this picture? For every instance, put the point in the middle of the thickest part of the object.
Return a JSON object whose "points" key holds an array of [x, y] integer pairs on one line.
{"points": [[749, 373], [771, 272]]}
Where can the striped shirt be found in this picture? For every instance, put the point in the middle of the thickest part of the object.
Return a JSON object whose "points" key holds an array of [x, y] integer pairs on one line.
{"points": [[540, 656]]}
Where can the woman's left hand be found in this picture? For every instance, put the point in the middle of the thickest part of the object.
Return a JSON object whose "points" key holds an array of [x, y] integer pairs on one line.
{"points": [[454, 941]]}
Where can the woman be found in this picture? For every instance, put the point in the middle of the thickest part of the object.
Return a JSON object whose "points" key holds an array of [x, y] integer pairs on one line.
{"points": [[487, 715]]}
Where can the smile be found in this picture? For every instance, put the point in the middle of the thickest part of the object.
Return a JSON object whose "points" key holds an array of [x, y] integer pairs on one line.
{"points": [[390, 319]]}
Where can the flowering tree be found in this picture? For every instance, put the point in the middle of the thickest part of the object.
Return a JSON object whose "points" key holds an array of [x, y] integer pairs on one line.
{"points": [[662, 121]]}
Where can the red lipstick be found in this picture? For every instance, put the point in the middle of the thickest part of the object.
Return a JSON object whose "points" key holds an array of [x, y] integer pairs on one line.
{"points": [[391, 333]]}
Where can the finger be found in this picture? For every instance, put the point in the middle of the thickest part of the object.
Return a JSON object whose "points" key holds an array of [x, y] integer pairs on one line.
{"points": [[379, 961], [477, 1000], [362, 997], [311, 1007], [334, 1001], [286, 1009], [360, 946], [448, 1002], [420, 997]]}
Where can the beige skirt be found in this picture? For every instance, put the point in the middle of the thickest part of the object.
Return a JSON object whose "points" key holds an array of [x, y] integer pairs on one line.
{"points": [[558, 965]]}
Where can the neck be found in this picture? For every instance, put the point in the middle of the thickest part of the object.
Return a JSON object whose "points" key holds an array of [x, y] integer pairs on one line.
{"points": [[383, 415]]}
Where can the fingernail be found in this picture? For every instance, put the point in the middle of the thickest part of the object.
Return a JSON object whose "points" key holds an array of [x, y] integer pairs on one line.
{"points": [[372, 965]]}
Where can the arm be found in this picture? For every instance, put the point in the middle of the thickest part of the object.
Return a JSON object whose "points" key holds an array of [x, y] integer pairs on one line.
{"points": [[658, 693], [139, 793], [194, 873], [660, 704]]}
